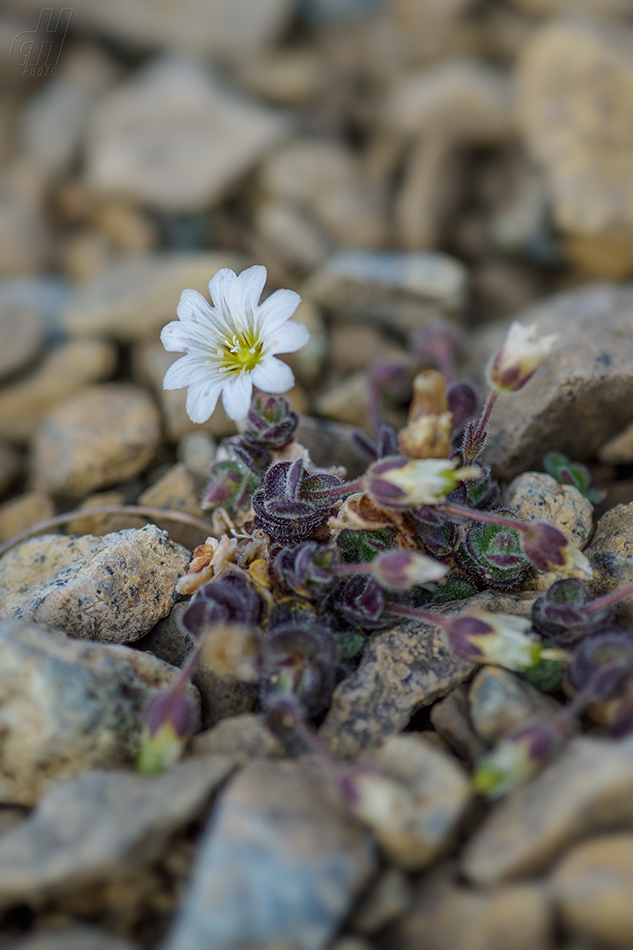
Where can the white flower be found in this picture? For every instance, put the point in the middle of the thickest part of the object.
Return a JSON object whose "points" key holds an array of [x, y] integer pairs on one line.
{"points": [[519, 357], [405, 483], [232, 345]]}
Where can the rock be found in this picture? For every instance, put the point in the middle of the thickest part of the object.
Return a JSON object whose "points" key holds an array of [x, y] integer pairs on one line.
{"points": [[285, 77], [197, 451], [307, 363], [220, 695], [331, 444], [327, 180], [244, 736], [20, 513], [281, 862], [585, 791], [143, 144], [72, 938], [103, 524], [355, 347], [462, 101], [445, 914], [387, 899], [297, 239], [430, 192], [592, 888], [611, 556], [581, 395], [64, 371], [347, 402], [397, 291], [136, 296], [111, 589], [68, 707], [101, 435], [96, 827], [10, 467], [22, 333], [450, 717], [500, 702], [609, 8], [437, 792], [578, 138], [619, 449], [177, 491], [24, 236]]}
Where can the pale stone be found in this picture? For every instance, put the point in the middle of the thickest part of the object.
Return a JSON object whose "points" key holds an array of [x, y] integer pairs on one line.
{"points": [[22, 333], [20, 513]]}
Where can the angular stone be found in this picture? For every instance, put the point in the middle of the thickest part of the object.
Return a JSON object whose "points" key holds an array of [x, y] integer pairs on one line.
{"points": [[592, 888], [22, 332], [93, 828], [101, 435], [581, 394], [176, 490], [20, 513], [136, 296], [500, 702], [611, 556], [112, 589], [64, 371], [197, 152], [72, 938], [68, 707], [451, 719], [244, 736], [281, 862], [347, 402], [585, 791]]}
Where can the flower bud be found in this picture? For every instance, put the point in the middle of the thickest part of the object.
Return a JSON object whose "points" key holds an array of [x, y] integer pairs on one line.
{"points": [[515, 759], [549, 550], [519, 358], [493, 553], [167, 725], [427, 437], [499, 639], [402, 570], [398, 482], [560, 615], [602, 664], [270, 421], [429, 395]]}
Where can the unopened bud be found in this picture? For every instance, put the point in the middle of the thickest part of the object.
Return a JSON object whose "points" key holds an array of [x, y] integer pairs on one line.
{"points": [[398, 482], [498, 639], [549, 550], [427, 437], [402, 570], [167, 725], [514, 760], [429, 395], [519, 358]]}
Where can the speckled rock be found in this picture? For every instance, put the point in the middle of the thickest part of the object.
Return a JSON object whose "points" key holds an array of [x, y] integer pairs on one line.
{"points": [[177, 490], [220, 695], [592, 887], [437, 792], [397, 291], [196, 154], [68, 707], [451, 720], [244, 736], [22, 512], [22, 332], [581, 395], [611, 556], [500, 701], [66, 369], [97, 826], [578, 138], [72, 938], [111, 589], [536, 496], [100, 436], [586, 790], [266, 874]]}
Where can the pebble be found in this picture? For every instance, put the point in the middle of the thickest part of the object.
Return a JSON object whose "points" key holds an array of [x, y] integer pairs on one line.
{"points": [[429, 193], [395, 290], [137, 295], [297, 239], [22, 334], [111, 589], [24, 235], [101, 435], [451, 720], [96, 827], [176, 490], [106, 523], [500, 702], [68, 707], [10, 467], [266, 874], [145, 146], [347, 402], [581, 395], [609, 8], [437, 792], [355, 348], [331, 444], [197, 451], [592, 888], [585, 791], [388, 898], [285, 77], [20, 513], [244, 736], [72, 938], [220, 695], [611, 557], [577, 138], [65, 370], [619, 449]]}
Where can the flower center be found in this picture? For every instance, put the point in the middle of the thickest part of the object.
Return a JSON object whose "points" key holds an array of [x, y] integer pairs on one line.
{"points": [[241, 353]]}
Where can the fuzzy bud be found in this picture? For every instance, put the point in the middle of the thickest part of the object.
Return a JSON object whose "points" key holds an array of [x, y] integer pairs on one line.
{"points": [[427, 437], [602, 664], [271, 421], [498, 639], [549, 550], [398, 482], [560, 615], [514, 760], [519, 358], [402, 570], [493, 553], [167, 726]]}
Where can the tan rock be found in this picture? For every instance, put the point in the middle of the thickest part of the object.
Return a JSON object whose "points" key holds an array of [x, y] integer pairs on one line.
{"points": [[20, 513], [451, 720], [102, 435], [611, 556], [500, 702], [609, 8], [176, 490], [387, 899], [295, 237], [72, 938], [64, 371], [347, 401], [112, 589], [592, 887], [244, 736], [355, 347], [197, 451], [286, 77], [24, 235], [99, 525], [619, 449], [22, 332], [429, 193]]}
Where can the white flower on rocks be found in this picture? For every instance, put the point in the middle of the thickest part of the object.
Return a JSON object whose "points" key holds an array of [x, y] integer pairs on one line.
{"points": [[232, 345], [519, 358]]}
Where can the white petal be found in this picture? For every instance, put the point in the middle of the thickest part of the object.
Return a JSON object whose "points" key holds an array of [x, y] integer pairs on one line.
{"points": [[248, 289], [188, 371], [220, 287], [237, 396], [290, 337], [278, 308], [202, 399], [273, 376], [179, 337], [193, 308]]}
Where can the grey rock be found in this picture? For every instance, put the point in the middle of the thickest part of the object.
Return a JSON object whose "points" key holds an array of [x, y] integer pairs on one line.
{"points": [[536, 496], [101, 435], [451, 719], [24, 235], [388, 898], [68, 707], [500, 701], [580, 396], [280, 863], [72, 938], [297, 240], [112, 589], [394, 290], [196, 153], [585, 791], [196, 451], [22, 333], [244, 736], [611, 557], [331, 444], [97, 826]]}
